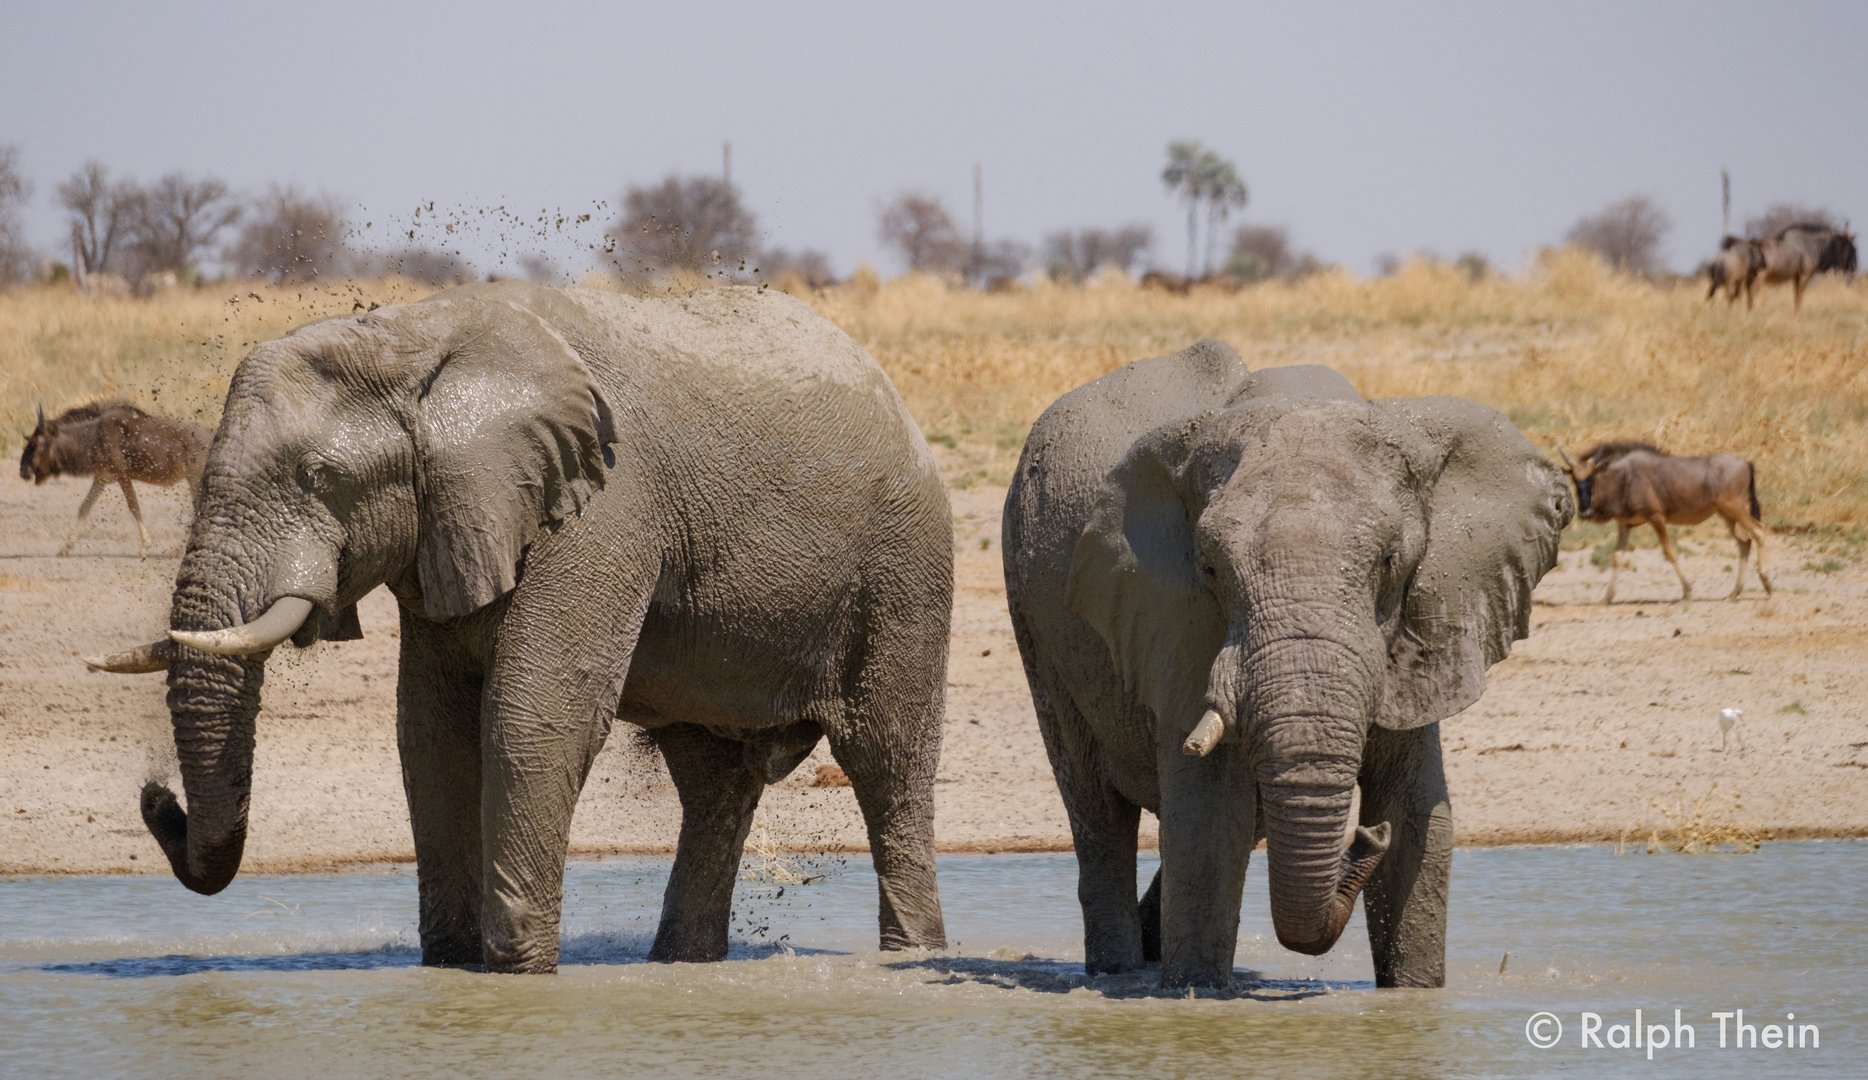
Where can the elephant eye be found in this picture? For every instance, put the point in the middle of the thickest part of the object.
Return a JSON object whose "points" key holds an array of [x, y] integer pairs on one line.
{"points": [[316, 476]]}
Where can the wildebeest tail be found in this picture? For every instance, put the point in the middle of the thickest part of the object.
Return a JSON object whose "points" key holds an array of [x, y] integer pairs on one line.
{"points": [[1757, 512]]}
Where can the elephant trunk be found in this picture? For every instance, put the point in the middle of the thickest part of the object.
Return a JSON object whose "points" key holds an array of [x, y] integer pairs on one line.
{"points": [[1314, 877], [1308, 695], [213, 703]]}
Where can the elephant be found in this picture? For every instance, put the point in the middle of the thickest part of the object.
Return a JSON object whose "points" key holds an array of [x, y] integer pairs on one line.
{"points": [[1240, 597], [710, 516]]}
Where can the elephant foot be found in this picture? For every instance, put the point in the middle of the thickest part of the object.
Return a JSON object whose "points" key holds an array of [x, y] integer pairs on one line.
{"points": [[516, 941], [454, 952], [1191, 978], [896, 939], [665, 952]]}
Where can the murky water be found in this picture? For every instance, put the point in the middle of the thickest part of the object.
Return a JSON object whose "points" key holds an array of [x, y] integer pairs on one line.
{"points": [[318, 977]]}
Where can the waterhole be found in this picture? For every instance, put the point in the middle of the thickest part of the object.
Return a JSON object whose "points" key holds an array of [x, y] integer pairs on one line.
{"points": [[318, 976]]}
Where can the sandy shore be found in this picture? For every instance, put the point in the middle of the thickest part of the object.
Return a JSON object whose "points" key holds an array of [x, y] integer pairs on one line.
{"points": [[1601, 713]]}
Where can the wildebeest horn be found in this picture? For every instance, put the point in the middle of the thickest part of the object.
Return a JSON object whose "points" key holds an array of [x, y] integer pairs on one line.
{"points": [[1205, 735], [155, 656], [1568, 465], [279, 622], [41, 416]]}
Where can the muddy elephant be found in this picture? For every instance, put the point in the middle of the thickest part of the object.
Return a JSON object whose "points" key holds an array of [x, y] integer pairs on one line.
{"points": [[711, 517], [1240, 597]]}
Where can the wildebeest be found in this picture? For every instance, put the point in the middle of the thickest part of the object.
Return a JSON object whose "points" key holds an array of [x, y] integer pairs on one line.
{"points": [[1633, 483], [1734, 269], [114, 443], [1800, 252]]}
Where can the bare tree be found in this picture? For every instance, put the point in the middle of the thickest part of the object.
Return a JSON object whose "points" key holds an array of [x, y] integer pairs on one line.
{"points": [[425, 265], [15, 253], [1780, 216], [1262, 252], [810, 265], [996, 263], [919, 228], [176, 220], [694, 222], [537, 266], [101, 213], [1626, 234], [1073, 255], [290, 237]]}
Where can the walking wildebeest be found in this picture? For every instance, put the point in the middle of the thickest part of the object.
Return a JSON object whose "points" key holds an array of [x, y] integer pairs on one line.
{"points": [[1734, 269], [1800, 252], [1634, 484], [115, 443]]}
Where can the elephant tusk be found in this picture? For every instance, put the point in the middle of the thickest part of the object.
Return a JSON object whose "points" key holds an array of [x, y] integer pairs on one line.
{"points": [[1205, 737], [155, 656], [280, 621]]}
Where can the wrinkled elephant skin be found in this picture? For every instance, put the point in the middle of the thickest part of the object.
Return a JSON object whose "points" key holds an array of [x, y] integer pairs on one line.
{"points": [[1239, 598], [711, 517]]}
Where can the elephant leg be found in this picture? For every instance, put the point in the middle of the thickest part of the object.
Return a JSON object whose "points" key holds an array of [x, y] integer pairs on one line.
{"points": [[887, 740], [1103, 828], [560, 655], [1404, 783], [84, 511], [718, 796], [1208, 807], [438, 734], [1150, 911]]}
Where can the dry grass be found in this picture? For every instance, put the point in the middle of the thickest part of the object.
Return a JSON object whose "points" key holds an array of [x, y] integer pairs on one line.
{"points": [[1570, 351], [171, 354], [1700, 827]]}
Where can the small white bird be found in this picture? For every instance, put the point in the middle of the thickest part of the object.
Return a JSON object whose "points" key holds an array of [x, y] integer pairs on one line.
{"points": [[1727, 717]]}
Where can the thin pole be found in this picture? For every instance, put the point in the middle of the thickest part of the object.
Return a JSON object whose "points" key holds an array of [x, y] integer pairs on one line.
{"points": [[726, 162], [979, 218], [1725, 180]]}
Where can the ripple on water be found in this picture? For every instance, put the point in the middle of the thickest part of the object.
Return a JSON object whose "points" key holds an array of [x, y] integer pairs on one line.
{"points": [[316, 976]]}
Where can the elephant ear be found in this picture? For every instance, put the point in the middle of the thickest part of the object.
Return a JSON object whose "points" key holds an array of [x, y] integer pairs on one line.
{"points": [[1135, 578], [1495, 510], [510, 437]]}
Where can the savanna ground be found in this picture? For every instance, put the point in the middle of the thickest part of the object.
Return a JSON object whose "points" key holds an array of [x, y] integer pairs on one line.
{"points": [[1600, 726]]}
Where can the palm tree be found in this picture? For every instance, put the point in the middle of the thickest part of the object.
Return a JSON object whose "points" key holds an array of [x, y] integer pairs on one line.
{"points": [[1185, 176], [1225, 192]]}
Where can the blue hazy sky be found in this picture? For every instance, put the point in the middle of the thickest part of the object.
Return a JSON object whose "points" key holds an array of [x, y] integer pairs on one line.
{"points": [[1364, 128]]}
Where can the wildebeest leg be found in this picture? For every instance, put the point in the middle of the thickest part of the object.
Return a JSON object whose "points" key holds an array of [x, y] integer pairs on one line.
{"points": [[1796, 290], [1615, 560], [1666, 546], [1743, 539], [136, 511], [84, 511], [1757, 536]]}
